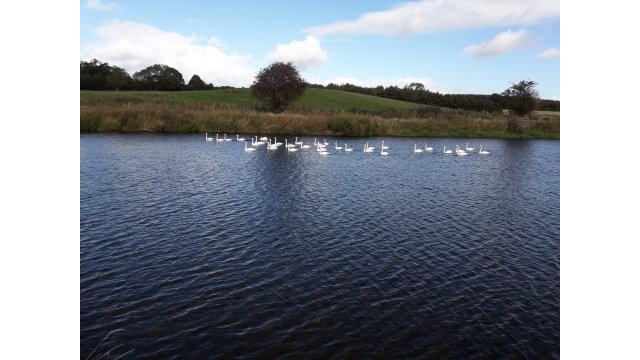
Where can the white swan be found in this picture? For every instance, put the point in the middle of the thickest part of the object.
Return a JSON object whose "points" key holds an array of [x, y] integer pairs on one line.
{"points": [[271, 146], [483, 152], [248, 148], [296, 142], [383, 153], [225, 138], [275, 142], [460, 152], [287, 145], [256, 143], [338, 147], [303, 146], [469, 148], [447, 151], [264, 138], [206, 136], [346, 148], [427, 148], [383, 147], [238, 138], [416, 150], [323, 153], [292, 149], [367, 149], [217, 139], [370, 147], [325, 142]]}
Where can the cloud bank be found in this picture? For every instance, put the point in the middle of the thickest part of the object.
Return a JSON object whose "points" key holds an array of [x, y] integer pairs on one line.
{"points": [[429, 16], [503, 42], [134, 46], [304, 54], [549, 54], [98, 5]]}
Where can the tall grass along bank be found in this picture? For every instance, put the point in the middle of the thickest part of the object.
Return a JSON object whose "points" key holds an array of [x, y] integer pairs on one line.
{"points": [[188, 116]]}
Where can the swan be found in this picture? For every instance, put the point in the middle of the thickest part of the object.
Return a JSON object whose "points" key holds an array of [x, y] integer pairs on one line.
{"points": [[296, 142], [248, 148], [460, 152], [287, 145], [206, 136], [323, 153], [483, 152], [225, 138], [370, 147], [217, 139], [416, 150], [325, 142], [383, 147], [367, 149], [271, 146], [256, 143], [338, 147], [302, 146], [427, 148], [292, 149], [346, 148], [264, 138], [447, 151], [383, 153], [275, 142], [238, 138], [469, 148]]}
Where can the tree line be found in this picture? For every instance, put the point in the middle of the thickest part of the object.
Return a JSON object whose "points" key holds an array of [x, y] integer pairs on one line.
{"points": [[417, 93], [96, 75]]}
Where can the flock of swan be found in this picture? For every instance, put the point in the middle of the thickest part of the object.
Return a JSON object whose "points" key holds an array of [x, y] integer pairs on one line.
{"points": [[321, 147]]}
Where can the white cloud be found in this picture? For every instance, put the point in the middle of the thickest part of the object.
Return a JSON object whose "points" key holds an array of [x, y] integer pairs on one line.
{"points": [[304, 54], [549, 54], [98, 5], [430, 16], [502, 43], [134, 46], [399, 82]]}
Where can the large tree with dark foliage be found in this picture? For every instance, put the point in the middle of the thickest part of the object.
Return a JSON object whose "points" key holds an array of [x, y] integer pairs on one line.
{"points": [[159, 77], [522, 97], [278, 85], [196, 83]]}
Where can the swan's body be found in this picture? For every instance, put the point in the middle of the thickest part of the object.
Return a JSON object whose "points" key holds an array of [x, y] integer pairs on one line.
{"points": [[338, 147], [383, 147], [303, 146], [256, 143], [447, 151], [367, 149], [296, 142], [416, 150], [206, 136], [238, 138], [287, 145], [248, 148], [469, 148], [323, 153], [346, 148], [225, 138], [218, 139], [292, 149], [264, 138], [460, 152], [427, 148], [275, 142], [483, 152], [383, 153]]}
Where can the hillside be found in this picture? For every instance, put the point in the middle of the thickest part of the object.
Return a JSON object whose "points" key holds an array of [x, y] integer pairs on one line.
{"points": [[313, 98]]}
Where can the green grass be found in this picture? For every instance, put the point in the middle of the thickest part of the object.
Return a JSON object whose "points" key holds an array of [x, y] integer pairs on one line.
{"points": [[313, 98]]}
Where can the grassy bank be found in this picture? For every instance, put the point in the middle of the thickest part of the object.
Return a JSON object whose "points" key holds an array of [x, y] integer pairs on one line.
{"points": [[111, 111]]}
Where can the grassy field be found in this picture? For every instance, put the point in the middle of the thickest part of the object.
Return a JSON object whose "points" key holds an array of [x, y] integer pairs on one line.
{"points": [[312, 99], [319, 112]]}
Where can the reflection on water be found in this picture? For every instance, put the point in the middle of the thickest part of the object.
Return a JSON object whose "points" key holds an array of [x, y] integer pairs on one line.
{"points": [[200, 250]]}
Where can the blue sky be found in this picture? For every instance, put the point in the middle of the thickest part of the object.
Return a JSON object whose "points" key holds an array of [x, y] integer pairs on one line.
{"points": [[454, 46]]}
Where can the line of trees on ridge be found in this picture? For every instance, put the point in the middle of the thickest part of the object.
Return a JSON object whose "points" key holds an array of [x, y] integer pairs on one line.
{"points": [[96, 75]]}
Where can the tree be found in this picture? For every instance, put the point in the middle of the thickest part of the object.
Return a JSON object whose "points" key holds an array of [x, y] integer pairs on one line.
{"points": [[118, 79], [196, 83], [160, 77], [522, 97], [278, 85], [93, 75]]}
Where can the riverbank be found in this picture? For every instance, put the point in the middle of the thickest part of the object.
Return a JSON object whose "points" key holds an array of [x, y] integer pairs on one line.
{"points": [[138, 115]]}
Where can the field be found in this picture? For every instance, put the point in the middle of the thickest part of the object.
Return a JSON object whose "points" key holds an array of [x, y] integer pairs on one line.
{"points": [[318, 112]]}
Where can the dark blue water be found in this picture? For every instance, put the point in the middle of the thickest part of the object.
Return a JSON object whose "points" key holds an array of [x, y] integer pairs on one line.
{"points": [[198, 250]]}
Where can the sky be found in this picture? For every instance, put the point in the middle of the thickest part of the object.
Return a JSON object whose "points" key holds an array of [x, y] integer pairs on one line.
{"points": [[453, 46]]}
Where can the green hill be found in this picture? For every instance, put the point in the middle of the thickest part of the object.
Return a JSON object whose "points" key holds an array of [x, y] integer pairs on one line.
{"points": [[313, 98]]}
